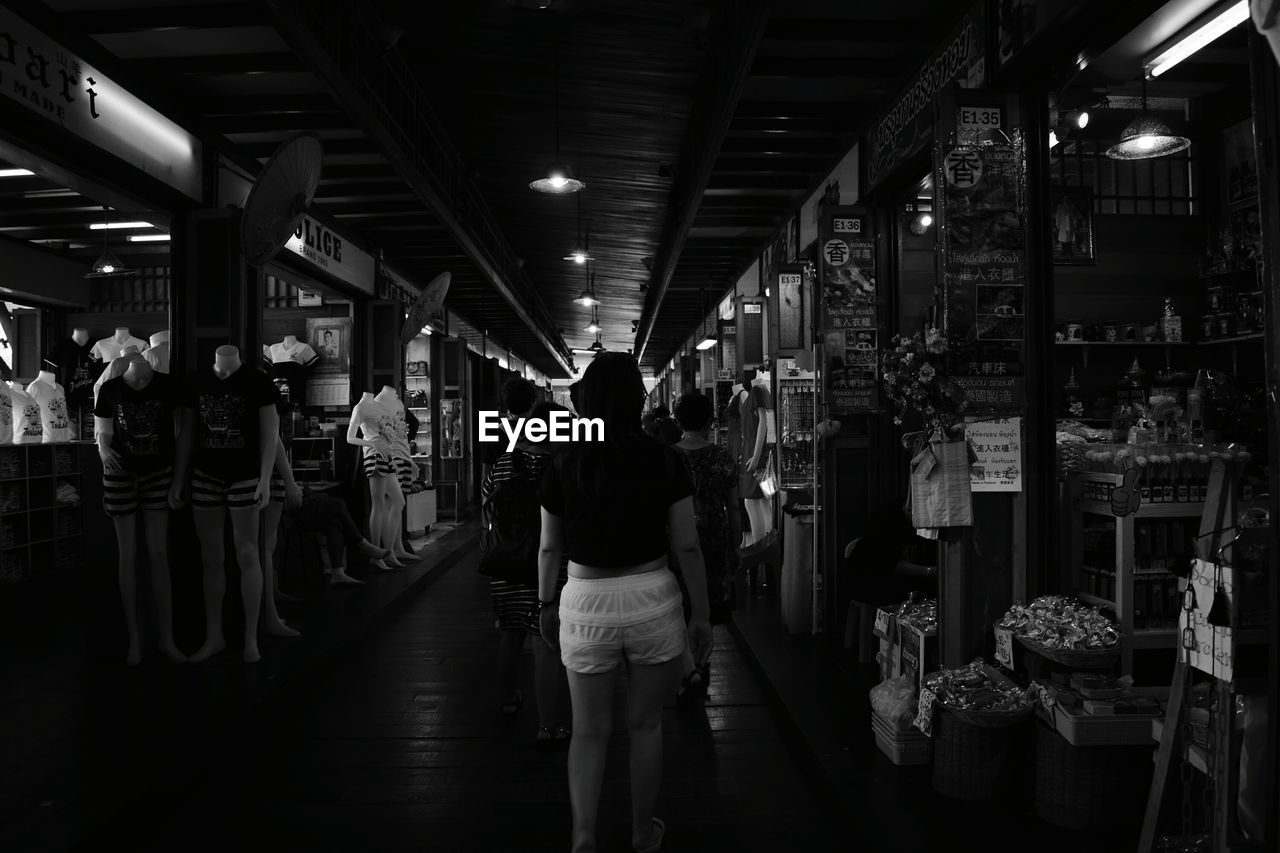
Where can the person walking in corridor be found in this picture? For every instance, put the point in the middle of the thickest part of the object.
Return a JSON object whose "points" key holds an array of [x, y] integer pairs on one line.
{"points": [[610, 504]]}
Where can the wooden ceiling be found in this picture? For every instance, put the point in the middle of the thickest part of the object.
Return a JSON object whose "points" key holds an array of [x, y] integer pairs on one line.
{"points": [[634, 119]]}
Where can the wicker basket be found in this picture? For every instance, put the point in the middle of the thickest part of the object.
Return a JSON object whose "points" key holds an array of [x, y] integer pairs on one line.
{"points": [[978, 764], [990, 719], [1075, 658], [1090, 787], [1071, 457]]}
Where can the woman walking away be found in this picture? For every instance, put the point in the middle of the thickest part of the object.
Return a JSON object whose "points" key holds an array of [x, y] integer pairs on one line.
{"points": [[715, 502], [512, 481], [610, 504]]}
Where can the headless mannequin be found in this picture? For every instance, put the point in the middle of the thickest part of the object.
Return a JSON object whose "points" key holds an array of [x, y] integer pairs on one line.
{"points": [[158, 353], [400, 453], [211, 526], [27, 426], [755, 448], [370, 420], [80, 336], [155, 527], [269, 526]]}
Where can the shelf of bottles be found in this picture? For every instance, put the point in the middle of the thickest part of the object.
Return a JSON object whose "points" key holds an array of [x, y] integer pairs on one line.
{"points": [[797, 396]]}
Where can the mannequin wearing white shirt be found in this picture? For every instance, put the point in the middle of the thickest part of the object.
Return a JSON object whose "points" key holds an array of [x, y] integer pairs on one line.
{"points": [[46, 391], [6, 415], [27, 425], [755, 450], [116, 367], [372, 428], [157, 355], [114, 346], [400, 456]]}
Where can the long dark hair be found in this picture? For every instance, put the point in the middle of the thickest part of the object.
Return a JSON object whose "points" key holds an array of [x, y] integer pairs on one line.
{"points": [[612, 390]]}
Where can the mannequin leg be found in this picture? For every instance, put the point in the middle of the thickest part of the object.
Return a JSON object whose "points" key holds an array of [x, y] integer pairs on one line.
{"points": [[244, 532], [155, 525], [270, 523], [210, 524], [759, 513], [127, 575], [388, 517], [396, 520]]}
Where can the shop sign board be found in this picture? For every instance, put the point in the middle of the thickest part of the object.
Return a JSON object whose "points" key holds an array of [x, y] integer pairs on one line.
{"points": [[997, 445], [54, 83], [850, 308], [1213, 643], [984, 267], [326, 250], [908, 125], [792, 304]]}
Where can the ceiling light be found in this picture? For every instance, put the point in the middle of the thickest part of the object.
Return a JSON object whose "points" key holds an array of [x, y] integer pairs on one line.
{"points": [[1208, 30], [707, 343], [594, 326], [578, 256], [1053, 139], [587, 299], [926, 219], [148, 238], [597, 346], [1078, 118], [1147, 137], [559, 177], [16, 173], [102, 226]]}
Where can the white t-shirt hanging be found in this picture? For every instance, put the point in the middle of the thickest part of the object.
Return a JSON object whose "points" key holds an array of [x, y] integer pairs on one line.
{"points": [[55, 426], [108, 349], [28, 428], [6, 416], [299, 353]]}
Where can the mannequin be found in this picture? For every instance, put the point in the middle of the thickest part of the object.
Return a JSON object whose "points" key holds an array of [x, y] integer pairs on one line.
{"points": [[157, 354], [402, 461], [75, 372], [291, 361], [136, 419], [285, 494], [80, 336], [226, 450], [113, 347], [373, 429], [756, 407], [6, 415], [116, 367], [46, 391], [27, 425]]}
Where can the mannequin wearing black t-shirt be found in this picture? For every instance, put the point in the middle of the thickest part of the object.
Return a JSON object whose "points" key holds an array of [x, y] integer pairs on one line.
{"points": [[227, 450], [136, 418]]}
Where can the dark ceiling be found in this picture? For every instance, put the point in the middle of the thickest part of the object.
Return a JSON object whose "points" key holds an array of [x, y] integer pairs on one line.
{"points": [[667, 106]]}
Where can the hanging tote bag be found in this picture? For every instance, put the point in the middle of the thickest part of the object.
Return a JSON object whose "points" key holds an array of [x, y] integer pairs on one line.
{"points": [[940, 491]]}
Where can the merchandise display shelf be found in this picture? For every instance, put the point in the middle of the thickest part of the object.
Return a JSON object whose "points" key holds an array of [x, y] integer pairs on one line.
{"points": [[1234, 339]]}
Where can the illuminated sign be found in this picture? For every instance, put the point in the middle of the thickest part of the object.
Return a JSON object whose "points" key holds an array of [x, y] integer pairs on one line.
{"points": [[52, 82], [326, 250]]}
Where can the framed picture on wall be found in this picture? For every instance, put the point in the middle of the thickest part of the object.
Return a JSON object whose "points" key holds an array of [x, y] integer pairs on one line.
{"points": [[330, 337], [1071, 225], [1241, 166]]}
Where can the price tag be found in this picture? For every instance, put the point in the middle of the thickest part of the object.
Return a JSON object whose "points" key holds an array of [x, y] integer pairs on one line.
{"points": [[1004, 648], [884, 625]]}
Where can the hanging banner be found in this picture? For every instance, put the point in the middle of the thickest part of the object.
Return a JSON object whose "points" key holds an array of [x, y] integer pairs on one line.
{"points": [[45, 78], [908, 126], [998, 446], [984, 268], [850, 308]]}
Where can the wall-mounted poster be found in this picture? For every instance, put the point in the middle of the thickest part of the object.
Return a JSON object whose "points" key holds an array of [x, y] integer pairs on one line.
{"points": [[330, 382], [998, 446], [1240, 162], [850, 308], [1071, 221], [984, 267]]}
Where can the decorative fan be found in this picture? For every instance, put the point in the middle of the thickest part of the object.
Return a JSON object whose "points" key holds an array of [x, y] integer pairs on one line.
{"points": [[426, 306], [280, 197]]}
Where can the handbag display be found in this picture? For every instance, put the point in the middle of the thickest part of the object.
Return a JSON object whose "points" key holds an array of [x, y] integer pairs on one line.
{"points": [[941, 495], [766, 478]]}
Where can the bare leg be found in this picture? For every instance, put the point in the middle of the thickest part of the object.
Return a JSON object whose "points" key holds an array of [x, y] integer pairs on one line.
{"points": [[244, 532], [650, 686], [391, 518], [548, 680], [378, 528], [592, 697], [270, 523], [759, 512], [510, 647], [210, 524], [155, 525], [334, 553], [127, 576], [397, 519]]}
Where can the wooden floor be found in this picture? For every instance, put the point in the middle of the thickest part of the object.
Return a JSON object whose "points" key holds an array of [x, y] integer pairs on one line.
{"points": [[402, 747]]}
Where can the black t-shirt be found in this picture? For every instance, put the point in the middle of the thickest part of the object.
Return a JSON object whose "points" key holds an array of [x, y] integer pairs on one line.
{"points": [[291, 380], [77, 371], [143, 420], [227, 432], [614, 500]]}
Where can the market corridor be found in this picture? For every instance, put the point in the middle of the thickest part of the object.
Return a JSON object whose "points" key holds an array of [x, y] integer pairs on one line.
{"points": [[402, 747]]}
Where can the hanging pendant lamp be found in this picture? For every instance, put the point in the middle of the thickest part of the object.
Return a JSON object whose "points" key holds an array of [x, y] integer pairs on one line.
{"points": [[559, 178], [597, 346], [107, 265], [594, 326], [588, 297], [581, 252], [709, 339], [1147, 137]]}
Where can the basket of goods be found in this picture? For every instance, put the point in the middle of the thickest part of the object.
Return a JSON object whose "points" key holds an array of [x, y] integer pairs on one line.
{"points": [[1071, 453], [921, 614], [1066, 631], [980, 696]]}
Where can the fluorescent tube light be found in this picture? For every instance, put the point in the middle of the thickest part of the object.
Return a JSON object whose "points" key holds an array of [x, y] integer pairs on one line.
{"points": [[103, 226], [1212, 29], [15, 173], [148, 238]]}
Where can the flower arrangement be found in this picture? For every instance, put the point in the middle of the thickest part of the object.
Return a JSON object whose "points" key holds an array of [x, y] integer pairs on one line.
{"points": [[915, 381]]}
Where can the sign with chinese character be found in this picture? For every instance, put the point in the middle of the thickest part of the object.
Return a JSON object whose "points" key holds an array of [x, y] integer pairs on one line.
{"points": [[998, 446], [42, 76], [908, 125], [984, 268], [326, 250], [850, 308], [971, 121]]}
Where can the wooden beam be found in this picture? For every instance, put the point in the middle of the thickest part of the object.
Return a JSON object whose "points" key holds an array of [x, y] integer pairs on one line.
{"points": [[289, 123], [166, 16], [729, 61], [913, 33], [738, 145], [877, 71], [229, 64]]}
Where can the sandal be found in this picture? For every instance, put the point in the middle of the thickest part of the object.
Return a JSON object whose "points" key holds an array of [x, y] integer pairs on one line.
{"points": [[510, 709], [656, 846], [546, 734]]}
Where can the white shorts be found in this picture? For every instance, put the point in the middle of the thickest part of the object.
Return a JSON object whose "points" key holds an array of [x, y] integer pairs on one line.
{"points": [[636, 616]]}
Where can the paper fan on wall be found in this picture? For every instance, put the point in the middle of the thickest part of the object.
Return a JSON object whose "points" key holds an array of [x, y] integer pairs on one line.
{"points": [[280, 196], [426, 306]]}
